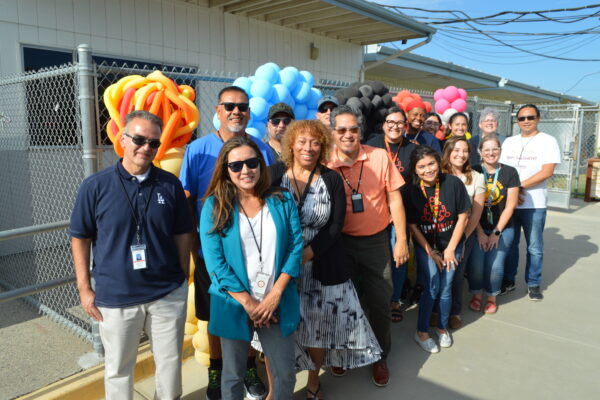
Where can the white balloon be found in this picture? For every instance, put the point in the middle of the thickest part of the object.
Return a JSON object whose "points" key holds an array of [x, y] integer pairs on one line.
{"points": [[447, 114]]}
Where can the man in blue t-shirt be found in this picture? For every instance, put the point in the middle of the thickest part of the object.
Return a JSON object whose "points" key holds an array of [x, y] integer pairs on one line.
{"points": [[137, 221], [233, 112]]}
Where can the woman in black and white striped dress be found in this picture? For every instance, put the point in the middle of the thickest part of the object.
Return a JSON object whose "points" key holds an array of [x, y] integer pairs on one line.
{"points": [[333, 330]]}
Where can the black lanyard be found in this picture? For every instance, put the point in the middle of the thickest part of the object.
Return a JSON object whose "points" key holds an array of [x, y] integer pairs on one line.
{"points": [[138, 221], [354, 191], [302, 196], [258, 246]]}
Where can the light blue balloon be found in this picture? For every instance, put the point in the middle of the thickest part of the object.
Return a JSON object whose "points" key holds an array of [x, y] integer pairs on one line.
{"points": [[268, 73], [274, 66], [244, 83], [302, 93], [308, 78], [261, 88], [289, 77], [300, 111], [282, 94], [315, 96], [254, 132], [311, 114], [216, 122], [259, 108], [261, 127]]}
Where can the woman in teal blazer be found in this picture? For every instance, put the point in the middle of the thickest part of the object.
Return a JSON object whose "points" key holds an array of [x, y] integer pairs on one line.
{"points": [[252, 244]]}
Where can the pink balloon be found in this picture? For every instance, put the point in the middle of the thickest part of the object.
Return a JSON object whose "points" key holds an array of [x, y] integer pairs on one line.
{"points": [[438, 95], [441, 106], [459, 105], [462, 93], [451, 93]]}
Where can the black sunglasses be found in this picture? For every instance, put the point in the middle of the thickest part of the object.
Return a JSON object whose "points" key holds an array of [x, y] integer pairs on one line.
{"points": [[276, 121], [527, 117], [236, 166], [324, 109], [141, 141], [243, 107]]}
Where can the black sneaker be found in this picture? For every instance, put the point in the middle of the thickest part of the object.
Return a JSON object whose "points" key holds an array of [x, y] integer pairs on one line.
{"points": [[255, 389], [535, 293], [213, 390], [507, 286]]}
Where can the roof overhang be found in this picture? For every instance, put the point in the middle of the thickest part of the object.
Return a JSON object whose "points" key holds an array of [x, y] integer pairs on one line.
{"points": [[419, 72], [354, 21]]}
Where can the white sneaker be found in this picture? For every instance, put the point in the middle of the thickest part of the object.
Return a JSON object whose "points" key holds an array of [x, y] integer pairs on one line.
{"points": [[445, 338], [427, 345]]}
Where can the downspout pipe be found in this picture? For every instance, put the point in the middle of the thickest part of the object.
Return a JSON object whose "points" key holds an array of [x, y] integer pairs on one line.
{"points": [[364, 67]]}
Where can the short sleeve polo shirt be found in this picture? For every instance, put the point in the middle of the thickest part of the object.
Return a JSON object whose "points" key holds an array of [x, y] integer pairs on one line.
{"points": [[379, 177], [103, 213], [199, 164]]}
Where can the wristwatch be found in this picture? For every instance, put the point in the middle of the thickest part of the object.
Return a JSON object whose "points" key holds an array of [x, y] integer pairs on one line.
{"points": [[497, 232]]}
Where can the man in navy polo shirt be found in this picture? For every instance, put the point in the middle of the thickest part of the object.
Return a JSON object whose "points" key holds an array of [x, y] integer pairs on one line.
{"points": [[233, 112], [136, 220]]}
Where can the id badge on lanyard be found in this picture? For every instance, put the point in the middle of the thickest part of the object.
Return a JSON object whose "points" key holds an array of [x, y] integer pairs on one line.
{"points": [[138, 256], [261, 281]]}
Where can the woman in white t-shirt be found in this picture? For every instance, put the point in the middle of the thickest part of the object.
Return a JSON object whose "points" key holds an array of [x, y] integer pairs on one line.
{"points": [[455, 161]]}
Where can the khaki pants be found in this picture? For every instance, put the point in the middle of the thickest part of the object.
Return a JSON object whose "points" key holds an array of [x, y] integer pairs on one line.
{"points": [[163, 320]]}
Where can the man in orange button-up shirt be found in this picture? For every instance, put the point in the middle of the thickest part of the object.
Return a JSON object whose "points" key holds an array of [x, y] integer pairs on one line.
{"points": [[371, 184]]}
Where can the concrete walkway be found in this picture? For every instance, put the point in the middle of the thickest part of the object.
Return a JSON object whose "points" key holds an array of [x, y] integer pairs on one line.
{"points": [[528, 350]]}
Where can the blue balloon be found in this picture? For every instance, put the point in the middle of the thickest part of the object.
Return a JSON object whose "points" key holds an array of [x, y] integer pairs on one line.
{"points": [[244, 83], [216, 122], [315, 96], [282, 94], [268, 73], [252, 78], [261, 88], [274, 66], [254, 132], [308, 78], [289, 77], [261, 127], [259, 108], [311, 114], [302, 93], [300, 111]]}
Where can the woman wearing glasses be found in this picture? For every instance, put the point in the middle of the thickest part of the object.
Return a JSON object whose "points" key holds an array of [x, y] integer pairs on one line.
{"points": [[433, 125], [399, 150], [333, 330], [252, 244], [436, 209], [495, 231]]}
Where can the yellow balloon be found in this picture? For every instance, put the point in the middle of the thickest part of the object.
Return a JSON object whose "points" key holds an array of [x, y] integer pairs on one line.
{"points": [[190, 329], [172, 160], [200, 341], [202, 358]]}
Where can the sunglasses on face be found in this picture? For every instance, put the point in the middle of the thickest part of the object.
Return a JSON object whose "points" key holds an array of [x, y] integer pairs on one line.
{"points": [[243, 107], [352, 129], [276, 121], [237, 166], [432, 123], [398, 124], [324, 109], [141, 141], [526, 117]]}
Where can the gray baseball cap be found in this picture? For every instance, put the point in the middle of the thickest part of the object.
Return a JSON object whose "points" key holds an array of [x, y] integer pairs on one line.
{"points": [[281, 108], [328, 99]]}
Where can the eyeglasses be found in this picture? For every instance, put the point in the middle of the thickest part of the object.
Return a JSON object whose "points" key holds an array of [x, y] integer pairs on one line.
{"points": [[243, 107], [494, 150], [432, 123], [324, 109], [527, 117], [141, 141], [352, 129], [277, 121], [236, 166], [399, 124]]}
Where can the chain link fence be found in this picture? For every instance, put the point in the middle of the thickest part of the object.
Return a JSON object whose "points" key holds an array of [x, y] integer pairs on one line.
{"points": [[40, 171]]}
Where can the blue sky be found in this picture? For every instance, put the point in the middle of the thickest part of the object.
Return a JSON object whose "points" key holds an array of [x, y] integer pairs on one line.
{"points": [[560, 76]]}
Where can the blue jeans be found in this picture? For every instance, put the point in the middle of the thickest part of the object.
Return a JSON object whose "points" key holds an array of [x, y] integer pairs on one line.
{"points": [[533, 221], [438, 284], [398, 274], [486, 268]]}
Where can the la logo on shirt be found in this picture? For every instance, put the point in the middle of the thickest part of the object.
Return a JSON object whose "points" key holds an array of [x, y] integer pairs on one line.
{"points": [[160, 199]]}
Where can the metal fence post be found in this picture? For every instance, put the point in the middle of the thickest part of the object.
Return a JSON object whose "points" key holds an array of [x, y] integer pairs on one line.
{"points": [[85, 73]]}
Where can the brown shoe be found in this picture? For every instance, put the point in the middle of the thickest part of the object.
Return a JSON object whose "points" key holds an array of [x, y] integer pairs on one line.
{"points": [[381, 374], [455, 322], [338, 371], [433, 320]]}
